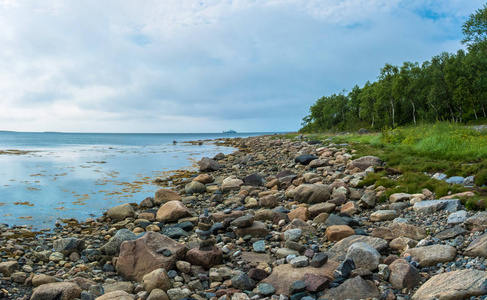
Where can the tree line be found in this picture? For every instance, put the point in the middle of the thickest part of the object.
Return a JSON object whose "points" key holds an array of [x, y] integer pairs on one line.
{"points": [[449, 87]]}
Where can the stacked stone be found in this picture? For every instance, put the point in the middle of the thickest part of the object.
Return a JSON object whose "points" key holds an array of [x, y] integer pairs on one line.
{"points": [[208, 254], [205, 238]]}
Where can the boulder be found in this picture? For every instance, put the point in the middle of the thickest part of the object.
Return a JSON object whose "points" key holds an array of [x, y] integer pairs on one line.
{"points": [[121, 212], [431, 255], [57, 290], [148, 253], [312, 193], [268, 201], [208, 165], [165, 195], [461, 284], [326, 207], [257, 229], [203, 178], [172, 211], [364, 256], [366, 162]]}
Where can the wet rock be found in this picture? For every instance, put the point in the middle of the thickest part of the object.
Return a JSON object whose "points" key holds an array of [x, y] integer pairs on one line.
{"points": [[121, 212], [165, 195], [431, 255], [461, 284], [57, 290], [148, 253], [172, 211]]}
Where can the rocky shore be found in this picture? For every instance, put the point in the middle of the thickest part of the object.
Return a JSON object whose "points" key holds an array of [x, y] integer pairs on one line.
{"points": [[277, 219]]}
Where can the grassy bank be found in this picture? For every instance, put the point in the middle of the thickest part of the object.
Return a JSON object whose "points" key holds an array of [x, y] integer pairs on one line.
{"points": [[416, 152]]}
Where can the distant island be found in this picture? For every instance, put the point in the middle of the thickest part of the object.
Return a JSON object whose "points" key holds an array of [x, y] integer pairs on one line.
{"points": [[229, 131]]}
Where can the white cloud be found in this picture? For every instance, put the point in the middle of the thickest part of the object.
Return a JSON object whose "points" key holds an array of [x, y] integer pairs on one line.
{"points": [[179, 65]]}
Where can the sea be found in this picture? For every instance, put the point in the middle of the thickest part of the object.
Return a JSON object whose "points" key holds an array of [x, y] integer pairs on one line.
{"points": [[50, 176]]}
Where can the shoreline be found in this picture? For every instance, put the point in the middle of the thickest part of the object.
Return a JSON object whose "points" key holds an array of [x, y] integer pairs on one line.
{"points": [[279, 212]]}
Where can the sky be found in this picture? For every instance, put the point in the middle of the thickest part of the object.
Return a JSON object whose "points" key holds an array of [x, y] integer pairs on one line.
{"points": [[203, 66]]}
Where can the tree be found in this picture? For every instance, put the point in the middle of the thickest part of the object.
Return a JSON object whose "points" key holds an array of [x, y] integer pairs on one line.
{"points": [[475, 28]]}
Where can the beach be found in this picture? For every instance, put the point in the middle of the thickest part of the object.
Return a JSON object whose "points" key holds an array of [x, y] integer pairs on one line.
{"points": [[275, 219]]}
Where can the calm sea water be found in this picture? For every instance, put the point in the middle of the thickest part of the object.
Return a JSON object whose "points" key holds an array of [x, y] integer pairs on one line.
{"points": [[80, 175]]}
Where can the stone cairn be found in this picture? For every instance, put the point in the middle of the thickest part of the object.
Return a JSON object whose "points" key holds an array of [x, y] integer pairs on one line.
{"points": [[205, 238], [208, 254]]}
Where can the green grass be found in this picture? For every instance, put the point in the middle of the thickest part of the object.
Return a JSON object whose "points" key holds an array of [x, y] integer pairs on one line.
{"points": [[429, 148]]}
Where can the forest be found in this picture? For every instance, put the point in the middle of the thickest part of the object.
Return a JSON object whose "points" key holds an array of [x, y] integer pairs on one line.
{"points": [[449, 87]]}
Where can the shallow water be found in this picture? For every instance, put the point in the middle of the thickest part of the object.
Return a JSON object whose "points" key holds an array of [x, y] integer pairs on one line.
{"points": [[66, 175]]}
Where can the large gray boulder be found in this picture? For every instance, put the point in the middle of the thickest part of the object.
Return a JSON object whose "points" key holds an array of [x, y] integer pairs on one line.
{"points": [[366, 161]]}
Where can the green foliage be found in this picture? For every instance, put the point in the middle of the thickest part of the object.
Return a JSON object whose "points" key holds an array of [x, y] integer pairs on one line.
{"points": [[475, 28], [481, 178]]}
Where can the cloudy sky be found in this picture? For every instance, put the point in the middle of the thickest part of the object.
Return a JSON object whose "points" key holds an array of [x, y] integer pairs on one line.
{"points": [[203, 66]]}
